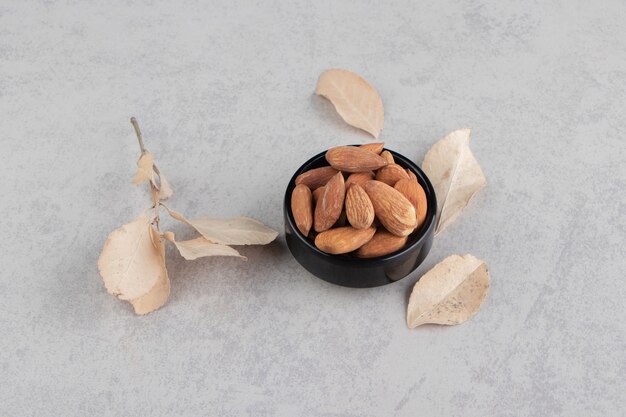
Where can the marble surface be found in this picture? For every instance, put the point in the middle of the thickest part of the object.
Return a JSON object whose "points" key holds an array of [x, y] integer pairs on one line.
{"points": [[223, 91]]}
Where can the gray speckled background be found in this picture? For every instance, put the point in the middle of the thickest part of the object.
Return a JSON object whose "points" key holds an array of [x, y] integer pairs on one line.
{"points": [[224, 94]]}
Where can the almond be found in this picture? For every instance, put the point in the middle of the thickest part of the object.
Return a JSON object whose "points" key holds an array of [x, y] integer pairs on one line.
{"points": [[388, 157], [414, 192], [411, 174], [383, 243], [354, 159], [316, 178], [329, 206], [343, 239], [394, 211], [373, 147], [359, 209], [302, 208], [391, 174], [359, 178], [317, 193]]}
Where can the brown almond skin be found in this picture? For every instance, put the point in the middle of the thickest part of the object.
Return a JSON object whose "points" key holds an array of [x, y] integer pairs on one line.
{"points": [[394, 210], [343, 239], [414, 192], [330, 204], [317, 193], [354, 159], [317, 177], [391, 174], [377, 148], [359, 208], [302, 208], [411, 174], [383, 243], [388, 157], [359, 178]]}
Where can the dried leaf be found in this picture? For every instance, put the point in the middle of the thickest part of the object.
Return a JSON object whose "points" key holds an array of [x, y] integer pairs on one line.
{"points": [[455, 174], [131, 262], [165, 190], [230, 231], [201, 247], [145, 172], [356, 101], [159, 294], [450, 293], [234, 231]]}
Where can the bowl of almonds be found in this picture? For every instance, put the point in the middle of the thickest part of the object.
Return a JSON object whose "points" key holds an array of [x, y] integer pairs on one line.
{"points": [[360, 215]]}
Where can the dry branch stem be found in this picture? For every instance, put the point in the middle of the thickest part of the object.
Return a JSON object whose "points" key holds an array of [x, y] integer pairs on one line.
{"points": [[154, 191]]}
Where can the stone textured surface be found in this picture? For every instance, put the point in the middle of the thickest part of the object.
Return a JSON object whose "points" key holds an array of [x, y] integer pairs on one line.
{"points": [[223, 91]]}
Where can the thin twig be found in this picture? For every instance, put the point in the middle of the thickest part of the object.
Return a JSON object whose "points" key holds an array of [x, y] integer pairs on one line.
{"points": [[154, 191], [133, 122]]}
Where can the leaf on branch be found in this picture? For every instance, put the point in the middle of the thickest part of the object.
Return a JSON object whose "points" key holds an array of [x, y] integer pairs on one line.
{"points": [[165, 190], [160, 292], [455, 174], [132, 261], [145, 172], [450, 293], [201, 247], [230, 231], [356, 101]]}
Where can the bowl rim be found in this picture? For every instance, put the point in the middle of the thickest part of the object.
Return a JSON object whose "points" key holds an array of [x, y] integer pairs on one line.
{"points": [[422, 234]]}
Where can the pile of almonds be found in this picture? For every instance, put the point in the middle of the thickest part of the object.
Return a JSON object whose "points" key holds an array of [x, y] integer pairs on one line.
{"points": [[363, 202]]}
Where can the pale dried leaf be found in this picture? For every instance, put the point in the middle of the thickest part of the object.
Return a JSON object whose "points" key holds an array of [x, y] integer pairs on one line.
{"points": [[165, 190], [131, 263], [145, 172], [229, 231], [234, 231], [455, 174], [356, 101], [201, 247], [159, 294], [450, 293], [176, 215]]}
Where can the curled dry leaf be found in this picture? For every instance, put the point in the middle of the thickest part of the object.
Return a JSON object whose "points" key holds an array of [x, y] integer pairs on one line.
{"points": [[455, 174], [131, 262], [356, 101], [165, 190], [145, 172], [229, 231], [201, 247], [234, 230], [450, 293], [160, 292]]}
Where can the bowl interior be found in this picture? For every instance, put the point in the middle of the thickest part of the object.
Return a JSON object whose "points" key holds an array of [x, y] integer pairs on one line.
{"points": [[414, 239]]}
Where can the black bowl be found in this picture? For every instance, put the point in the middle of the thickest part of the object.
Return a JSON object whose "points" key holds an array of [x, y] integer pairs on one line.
{"points": [[348, 270]]}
